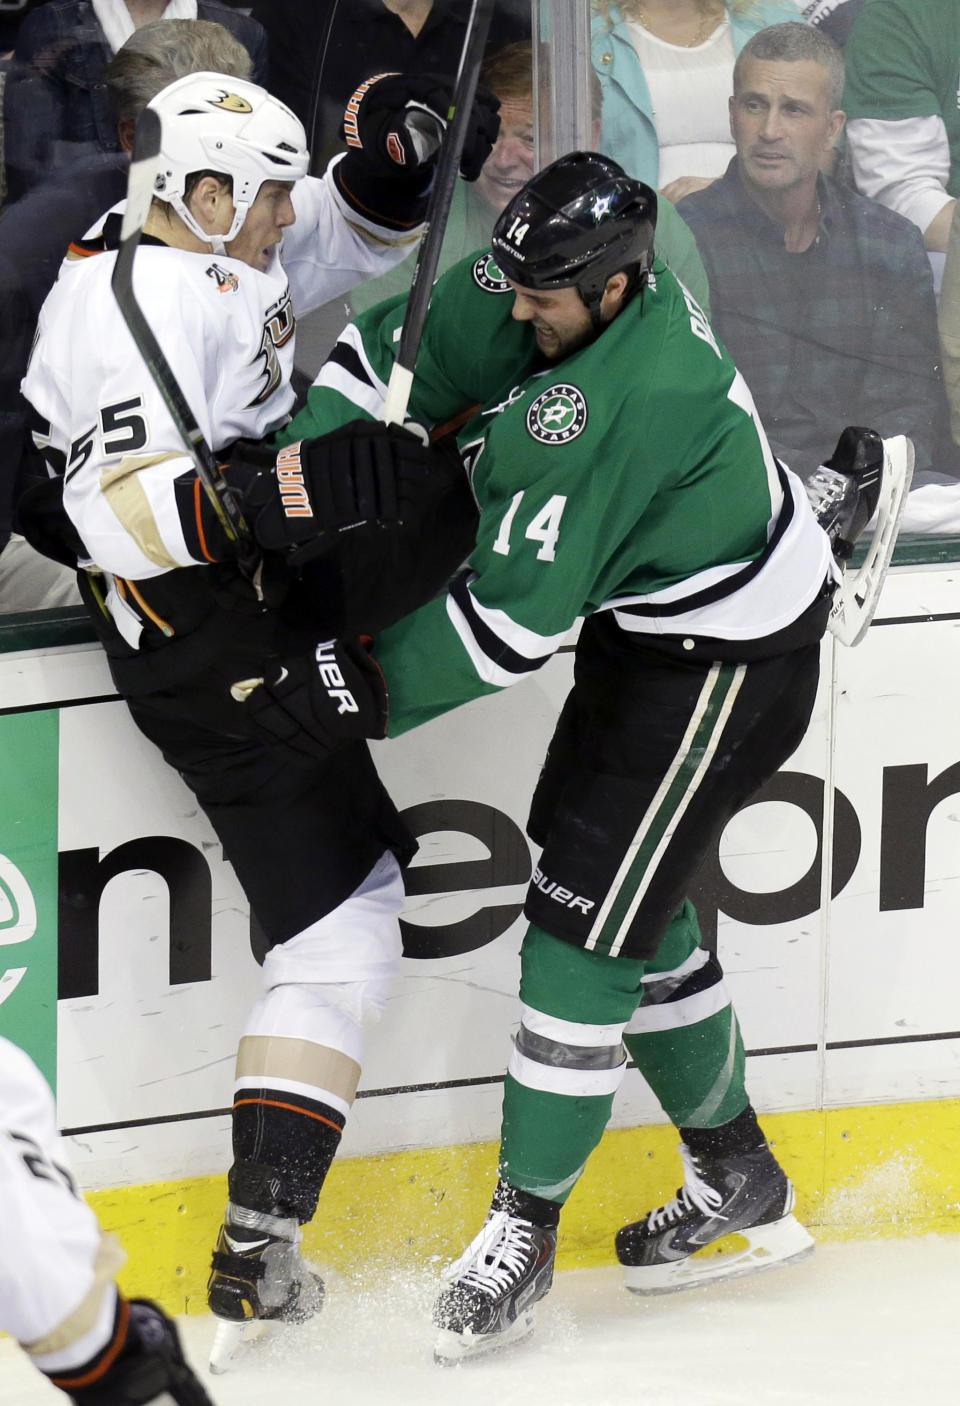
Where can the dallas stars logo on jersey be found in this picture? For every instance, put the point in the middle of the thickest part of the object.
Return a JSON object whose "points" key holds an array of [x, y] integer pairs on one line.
{"points": [[488, 275], [557, 415]]}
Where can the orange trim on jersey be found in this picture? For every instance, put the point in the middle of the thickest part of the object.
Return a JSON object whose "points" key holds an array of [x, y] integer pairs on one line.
{"points": [[108, 1358], [455, 424], [77, 251], [152, 615], [198, 511], [291, 1108]]}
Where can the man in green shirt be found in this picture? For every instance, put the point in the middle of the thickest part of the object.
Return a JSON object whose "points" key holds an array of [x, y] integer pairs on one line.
{"points": [[903, 127]]}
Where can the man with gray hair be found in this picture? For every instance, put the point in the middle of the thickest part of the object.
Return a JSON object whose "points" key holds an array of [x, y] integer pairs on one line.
{"points": [[823, 297], [34, 236]]}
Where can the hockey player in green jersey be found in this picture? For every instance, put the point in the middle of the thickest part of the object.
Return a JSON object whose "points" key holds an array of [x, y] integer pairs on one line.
{"points": [[622, 478]]}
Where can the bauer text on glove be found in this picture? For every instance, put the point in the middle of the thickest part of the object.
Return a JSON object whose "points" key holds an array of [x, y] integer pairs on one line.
{"points": [[315, 702]]}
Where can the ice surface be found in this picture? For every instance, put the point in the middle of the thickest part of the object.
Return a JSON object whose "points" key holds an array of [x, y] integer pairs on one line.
{"points": [[861, 1324]]}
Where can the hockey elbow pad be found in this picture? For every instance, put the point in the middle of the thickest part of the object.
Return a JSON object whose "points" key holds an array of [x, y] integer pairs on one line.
{"points": [[315, 703], [142, 1363]]}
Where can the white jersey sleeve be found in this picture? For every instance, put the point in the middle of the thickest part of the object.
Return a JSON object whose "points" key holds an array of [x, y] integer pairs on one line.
{"points": [[57, 1293], [904, 164], [227, 333], [332, 247]]}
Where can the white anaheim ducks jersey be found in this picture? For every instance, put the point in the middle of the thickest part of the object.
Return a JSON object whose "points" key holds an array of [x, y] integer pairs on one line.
{"points": [[227, 331], [56, 1266]]}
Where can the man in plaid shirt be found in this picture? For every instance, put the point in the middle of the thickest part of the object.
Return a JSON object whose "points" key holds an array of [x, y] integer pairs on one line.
{"points": [[823, 297]]}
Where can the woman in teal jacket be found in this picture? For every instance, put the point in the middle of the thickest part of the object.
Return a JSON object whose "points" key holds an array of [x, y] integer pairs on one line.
{"points": [[629, 133]]}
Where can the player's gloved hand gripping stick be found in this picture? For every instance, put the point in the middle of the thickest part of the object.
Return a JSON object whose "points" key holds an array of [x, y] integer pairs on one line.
{"points": [[438, 210]]}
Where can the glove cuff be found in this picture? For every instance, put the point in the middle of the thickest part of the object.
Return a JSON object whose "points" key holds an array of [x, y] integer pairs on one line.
{"points": [[397, 202]]}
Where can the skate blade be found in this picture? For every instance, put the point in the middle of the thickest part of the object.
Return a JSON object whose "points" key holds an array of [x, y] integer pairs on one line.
{"points": [[768, 1247], [858, 594], [452, 1348], [232, 1342]]}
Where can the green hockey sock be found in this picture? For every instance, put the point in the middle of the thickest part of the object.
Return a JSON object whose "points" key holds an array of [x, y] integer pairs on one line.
{"points": [[696, 1072], [567, 1062], [684, 1037], [546, 1138]]}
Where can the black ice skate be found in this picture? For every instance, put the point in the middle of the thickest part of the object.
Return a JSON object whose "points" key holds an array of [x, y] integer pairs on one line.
{"points": [[746, 1194], [258, 1277], [494, 1286], [865, 475]]}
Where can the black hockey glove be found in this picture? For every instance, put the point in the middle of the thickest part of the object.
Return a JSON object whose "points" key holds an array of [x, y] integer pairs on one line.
{"points": [[397, 121], [393, 126], [150, 1366], [314, 703], [364, 472], [204, 533], [43, 521]]}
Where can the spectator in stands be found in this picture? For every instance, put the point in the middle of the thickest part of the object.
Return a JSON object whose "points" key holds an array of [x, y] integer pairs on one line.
{"points": [[508, 74], [666, 68], [12, 13], [366, 37], [34, 236], [901, 98], [823, 297], [834, 17], [55, 105]]}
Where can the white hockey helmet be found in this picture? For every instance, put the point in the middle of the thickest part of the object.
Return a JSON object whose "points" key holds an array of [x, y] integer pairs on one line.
{"points": [[212, 122]]}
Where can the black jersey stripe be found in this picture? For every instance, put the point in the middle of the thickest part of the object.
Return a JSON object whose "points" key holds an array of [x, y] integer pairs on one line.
{"points": [[487, 641], [731, 584], [347, 356], [666, 990]]}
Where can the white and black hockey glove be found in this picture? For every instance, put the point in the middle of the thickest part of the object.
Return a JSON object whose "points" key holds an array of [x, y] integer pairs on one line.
{"points": [[316, 702], [364, 473], [143, 1363], [393, 125], [397, 120]]}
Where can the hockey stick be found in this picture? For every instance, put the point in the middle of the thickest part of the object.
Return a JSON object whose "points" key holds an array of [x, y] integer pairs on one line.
{"points": [[143, 167], [316, 93], [859, 592], [438, 209]]}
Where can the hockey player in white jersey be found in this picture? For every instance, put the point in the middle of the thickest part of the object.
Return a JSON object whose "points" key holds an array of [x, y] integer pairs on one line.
{"points": [[58, 1292], [238, 240]]}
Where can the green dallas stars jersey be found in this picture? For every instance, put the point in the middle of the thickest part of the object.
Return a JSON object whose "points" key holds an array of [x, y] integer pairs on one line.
{"points": [[631, 477]]}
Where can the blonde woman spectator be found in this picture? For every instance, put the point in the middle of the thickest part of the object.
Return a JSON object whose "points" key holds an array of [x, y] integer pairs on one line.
{"points": [[666, 67]]}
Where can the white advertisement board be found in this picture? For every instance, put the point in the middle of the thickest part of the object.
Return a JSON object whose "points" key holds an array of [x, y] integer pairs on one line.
{"points": [[139, 966]]}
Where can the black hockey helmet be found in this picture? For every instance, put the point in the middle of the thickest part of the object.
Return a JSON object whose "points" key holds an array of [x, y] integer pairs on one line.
{"points": [[575, 224]]}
